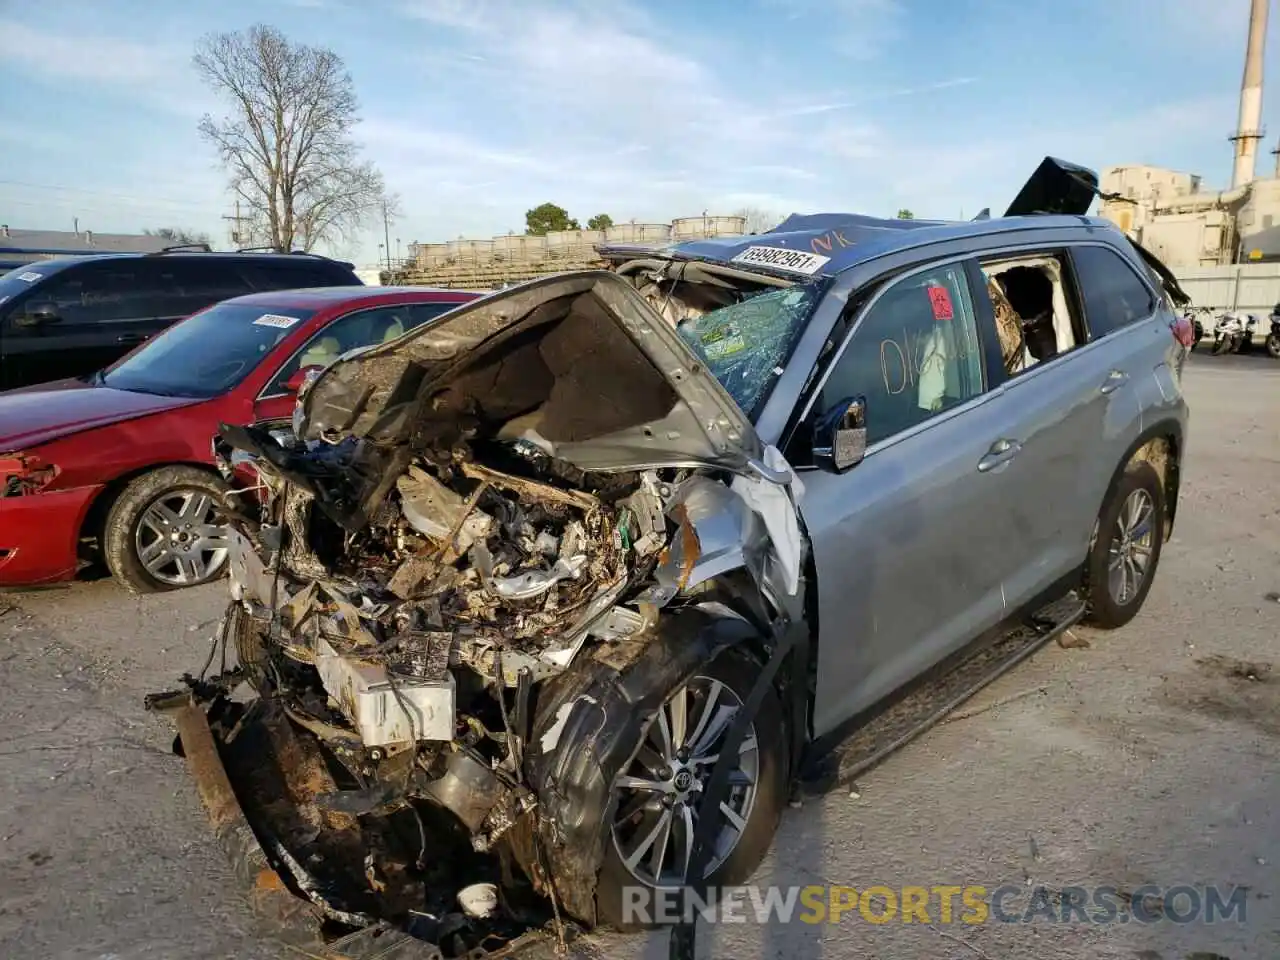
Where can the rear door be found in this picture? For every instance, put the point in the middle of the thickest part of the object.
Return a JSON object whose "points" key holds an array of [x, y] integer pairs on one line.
{"points": [[907, 544], [189, 284], [1057, 404]]}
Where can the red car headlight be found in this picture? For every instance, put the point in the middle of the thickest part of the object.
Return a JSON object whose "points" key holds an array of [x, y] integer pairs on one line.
{"points": [[22, 474]]}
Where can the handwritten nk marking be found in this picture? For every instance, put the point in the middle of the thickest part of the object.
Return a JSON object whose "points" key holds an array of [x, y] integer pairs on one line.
{"points": [[828, 240]]}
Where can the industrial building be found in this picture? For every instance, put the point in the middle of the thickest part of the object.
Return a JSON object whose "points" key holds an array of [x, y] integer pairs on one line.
{"points": [[1189, 227], [477, 264]]}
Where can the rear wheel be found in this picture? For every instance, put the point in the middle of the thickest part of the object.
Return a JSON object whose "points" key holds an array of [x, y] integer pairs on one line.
{"points": [[161, 533], [659, 789], [1273, 345], [1126, 549]]}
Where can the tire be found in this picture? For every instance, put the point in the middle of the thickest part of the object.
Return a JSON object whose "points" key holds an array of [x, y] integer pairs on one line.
{"points": [[1139, 484], [132, 527], [735, 671], [1273, 345]]}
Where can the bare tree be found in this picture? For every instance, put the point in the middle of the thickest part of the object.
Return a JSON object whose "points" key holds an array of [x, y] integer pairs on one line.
{"points": [[177, 235], [287, 141], [758, 221]]}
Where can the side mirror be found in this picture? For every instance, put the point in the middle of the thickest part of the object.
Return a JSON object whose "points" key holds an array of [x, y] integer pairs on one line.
{"points": [[37, 315], [299, 377], [840, 435]]}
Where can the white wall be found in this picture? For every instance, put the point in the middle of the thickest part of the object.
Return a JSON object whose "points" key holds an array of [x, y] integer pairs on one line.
{"points": [[1245, 287]]}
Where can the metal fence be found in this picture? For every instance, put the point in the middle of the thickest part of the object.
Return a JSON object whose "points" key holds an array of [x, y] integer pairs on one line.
{"points": [[1244, 287]]}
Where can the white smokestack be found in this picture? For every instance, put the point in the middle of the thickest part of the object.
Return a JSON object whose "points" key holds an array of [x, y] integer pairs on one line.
{"points": [[1249, 128]]}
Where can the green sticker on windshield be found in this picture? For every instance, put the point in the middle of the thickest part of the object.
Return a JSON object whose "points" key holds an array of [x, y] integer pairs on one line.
{"points": [[723, 341]]}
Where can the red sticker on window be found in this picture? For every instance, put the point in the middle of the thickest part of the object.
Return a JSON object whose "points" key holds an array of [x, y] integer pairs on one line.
{"points": [[940, 298]]}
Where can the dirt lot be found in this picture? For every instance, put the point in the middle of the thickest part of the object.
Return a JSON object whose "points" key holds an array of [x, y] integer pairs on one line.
{"points": [[1139, 758]]}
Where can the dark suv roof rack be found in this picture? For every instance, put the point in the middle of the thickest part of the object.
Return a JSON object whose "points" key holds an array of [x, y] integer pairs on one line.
{"points": [[183, 248], [283, 253]]}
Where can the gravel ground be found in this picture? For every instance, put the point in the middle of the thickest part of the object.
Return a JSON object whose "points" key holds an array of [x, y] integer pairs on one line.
{"points": [[1130, 758]]}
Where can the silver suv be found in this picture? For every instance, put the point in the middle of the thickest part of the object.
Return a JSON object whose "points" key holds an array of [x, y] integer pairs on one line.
{"points": [[590, 573]]}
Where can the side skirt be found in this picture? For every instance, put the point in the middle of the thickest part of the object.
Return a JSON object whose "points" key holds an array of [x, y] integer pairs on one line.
{"points": [[837, 759]]}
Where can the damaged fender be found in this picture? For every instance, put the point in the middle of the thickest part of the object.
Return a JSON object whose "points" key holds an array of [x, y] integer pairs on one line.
{"points": [[586, 726]]}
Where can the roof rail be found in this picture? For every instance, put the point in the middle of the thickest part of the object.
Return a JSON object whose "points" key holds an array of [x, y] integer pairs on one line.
{"points": [[283, 253], [183, 247]]}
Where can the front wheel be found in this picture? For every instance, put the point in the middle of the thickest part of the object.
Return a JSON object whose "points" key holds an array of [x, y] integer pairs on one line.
{"points": [[657, 793], [1126, 548], [162, 532], [1273, 345]]}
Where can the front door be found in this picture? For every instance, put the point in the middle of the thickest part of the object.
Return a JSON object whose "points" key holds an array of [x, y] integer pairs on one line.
{"points": [[907, 543], [103, 310]]}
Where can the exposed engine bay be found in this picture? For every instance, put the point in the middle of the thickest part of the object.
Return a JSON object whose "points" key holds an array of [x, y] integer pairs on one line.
{"points": [[407, 584]]}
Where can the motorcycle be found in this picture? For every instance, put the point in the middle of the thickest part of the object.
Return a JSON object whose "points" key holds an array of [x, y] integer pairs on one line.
{"points": [[1232, 334], [1273, 338]]}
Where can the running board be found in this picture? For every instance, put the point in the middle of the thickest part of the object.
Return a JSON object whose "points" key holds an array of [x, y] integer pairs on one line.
{"points": [[938, 693]]}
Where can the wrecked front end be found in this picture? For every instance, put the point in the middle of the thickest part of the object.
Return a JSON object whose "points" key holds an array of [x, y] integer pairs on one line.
{"points": [[447, 636]]}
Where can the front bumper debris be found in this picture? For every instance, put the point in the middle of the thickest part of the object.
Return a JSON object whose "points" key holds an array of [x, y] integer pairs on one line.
{"points": [[301, 911]]}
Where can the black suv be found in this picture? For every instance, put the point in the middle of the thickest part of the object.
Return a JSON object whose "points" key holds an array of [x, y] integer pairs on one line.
{"points": [[69, 317]]}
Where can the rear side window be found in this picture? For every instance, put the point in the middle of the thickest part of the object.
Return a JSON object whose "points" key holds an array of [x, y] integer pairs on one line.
{"points": [[1114, 296], [191, 285], [281, 274]]}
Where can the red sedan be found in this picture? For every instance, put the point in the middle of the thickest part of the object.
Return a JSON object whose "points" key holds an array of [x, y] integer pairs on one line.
{"points": [[122, 461]]}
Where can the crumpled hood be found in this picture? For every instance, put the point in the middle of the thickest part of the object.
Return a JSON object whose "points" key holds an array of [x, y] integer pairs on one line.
{"points": [[375, 394], [34, 415]]}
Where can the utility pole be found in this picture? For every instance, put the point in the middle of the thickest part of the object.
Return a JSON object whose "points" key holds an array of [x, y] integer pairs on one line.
{"points": [[237, 235], [386, 231]]}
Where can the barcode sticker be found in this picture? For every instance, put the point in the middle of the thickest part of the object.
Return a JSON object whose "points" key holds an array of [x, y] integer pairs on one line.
{"points": [[275, 320]]}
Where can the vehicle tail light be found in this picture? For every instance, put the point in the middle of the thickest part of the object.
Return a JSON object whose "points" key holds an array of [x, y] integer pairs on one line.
{"points": [[1184, 332], [22, 474]]}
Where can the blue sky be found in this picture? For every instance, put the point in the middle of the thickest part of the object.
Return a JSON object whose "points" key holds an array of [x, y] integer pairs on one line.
{"points": [[476, 110]]}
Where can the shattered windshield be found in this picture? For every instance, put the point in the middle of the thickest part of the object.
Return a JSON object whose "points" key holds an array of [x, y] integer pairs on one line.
{"points": [[746, 345]]}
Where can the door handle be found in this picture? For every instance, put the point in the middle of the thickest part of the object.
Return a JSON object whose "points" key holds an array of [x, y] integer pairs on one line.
{"points": [[131, 338], [1115, 380], [1002, 451]]}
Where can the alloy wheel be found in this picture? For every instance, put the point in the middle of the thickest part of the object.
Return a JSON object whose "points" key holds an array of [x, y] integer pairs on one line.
{"points": [[1131, 547], [661, 787], [177, 540]]}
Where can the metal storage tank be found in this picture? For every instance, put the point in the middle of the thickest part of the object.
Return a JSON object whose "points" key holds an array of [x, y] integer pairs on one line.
{"points": [[638, 233], [563, 244], [519, 248], [691, 228], [560, 240], [431, 254], [472, 250], [563, 240]]}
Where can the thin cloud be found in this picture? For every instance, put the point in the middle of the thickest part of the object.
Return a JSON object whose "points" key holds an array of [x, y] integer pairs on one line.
{"points": [[62, 56], [155, 73]]}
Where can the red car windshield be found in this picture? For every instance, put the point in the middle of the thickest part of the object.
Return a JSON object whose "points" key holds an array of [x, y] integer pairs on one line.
{"points": [[208, 353]]}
